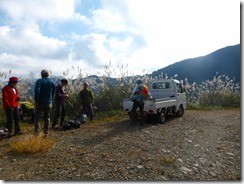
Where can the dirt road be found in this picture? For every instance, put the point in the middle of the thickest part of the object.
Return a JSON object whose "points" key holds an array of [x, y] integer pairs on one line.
{"points": [[201, 145]]}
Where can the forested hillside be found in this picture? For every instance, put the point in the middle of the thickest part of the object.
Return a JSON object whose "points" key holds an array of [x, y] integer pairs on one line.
{"points": [[225, 61]]}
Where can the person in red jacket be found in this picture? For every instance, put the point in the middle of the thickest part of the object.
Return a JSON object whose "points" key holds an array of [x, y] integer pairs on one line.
{"points": [[11, 100]]}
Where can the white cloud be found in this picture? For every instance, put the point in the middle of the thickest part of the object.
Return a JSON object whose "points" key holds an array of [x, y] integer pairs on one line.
{"points": [[108, 21], [173, 30], [29, 42], [182, 29], [19, 65], [113, 17], [90, 48], [148, 34], [121, 45], [38, 10], [81, 18]]}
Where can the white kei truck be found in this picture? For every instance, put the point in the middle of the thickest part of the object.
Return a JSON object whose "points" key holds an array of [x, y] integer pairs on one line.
{"points": [[167, 97]]}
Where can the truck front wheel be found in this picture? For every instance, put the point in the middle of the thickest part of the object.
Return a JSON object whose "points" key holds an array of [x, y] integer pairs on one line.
{"points": [[180, 112], [161, 117]]}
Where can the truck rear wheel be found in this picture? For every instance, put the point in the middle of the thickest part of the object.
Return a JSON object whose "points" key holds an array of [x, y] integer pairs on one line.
{"points": [[161, 117], [180, 112]]}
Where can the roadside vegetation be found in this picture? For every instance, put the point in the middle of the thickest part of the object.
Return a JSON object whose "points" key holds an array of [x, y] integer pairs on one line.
{"points": [[217, 93]]}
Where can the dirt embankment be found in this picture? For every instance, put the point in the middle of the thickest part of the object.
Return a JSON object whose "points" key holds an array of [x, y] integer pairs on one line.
{"points": [[201, 145]]}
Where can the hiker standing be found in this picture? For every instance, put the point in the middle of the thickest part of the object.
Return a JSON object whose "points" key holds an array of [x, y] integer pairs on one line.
{"points": [[10, 97], [44, 93], [86, 100], [138, 96], [60, 101]]}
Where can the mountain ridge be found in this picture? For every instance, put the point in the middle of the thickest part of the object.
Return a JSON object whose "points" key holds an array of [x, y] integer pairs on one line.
{"points": [[224, 61]]}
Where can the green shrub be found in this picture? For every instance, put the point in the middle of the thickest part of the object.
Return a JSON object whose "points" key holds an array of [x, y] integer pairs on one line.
{"points": [[73, 106], [220, 91], [220, 99], [111, 98]]}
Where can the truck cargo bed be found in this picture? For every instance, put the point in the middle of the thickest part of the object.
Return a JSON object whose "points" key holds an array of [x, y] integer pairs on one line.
{"points": [[151, 105]]}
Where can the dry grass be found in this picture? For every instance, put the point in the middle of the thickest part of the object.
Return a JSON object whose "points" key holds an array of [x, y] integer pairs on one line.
{"points": [[30, 144]]}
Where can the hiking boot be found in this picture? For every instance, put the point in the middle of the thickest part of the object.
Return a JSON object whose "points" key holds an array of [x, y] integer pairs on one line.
{"points": [[55, 128], [8, 136]]}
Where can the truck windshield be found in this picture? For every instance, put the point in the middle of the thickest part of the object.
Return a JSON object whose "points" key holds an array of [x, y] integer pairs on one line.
{"points": [[179, 88]]}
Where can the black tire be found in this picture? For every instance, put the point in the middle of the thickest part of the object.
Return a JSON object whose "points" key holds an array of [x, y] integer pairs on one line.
{"points": [[161, 117], [180, 112]]}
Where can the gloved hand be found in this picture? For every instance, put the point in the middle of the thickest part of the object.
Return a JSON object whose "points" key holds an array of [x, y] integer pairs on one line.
{"points": [[17, 99]]}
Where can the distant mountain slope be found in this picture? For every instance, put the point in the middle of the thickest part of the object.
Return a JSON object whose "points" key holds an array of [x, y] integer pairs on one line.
{"points": [[225, 61]]}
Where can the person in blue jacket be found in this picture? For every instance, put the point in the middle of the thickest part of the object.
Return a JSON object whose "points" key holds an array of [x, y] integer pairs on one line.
{"points": [[44, 96]]}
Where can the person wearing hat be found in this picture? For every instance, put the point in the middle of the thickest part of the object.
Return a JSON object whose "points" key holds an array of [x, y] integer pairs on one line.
{"points": [[10, 97], [86, 100], [139, 94], [44, 95], [60, 100]]}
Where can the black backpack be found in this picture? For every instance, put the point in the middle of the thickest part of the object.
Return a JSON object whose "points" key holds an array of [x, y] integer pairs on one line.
{"points": [[82, 118], [71, 124]]}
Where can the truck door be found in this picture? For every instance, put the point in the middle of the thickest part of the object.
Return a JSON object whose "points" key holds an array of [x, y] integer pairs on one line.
{"points": [[181, 96]]}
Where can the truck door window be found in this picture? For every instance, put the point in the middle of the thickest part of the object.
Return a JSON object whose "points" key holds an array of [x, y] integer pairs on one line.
{"points": [[167, 85], [161, 85]]}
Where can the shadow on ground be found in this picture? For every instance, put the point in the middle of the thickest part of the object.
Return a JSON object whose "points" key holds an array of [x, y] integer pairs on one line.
{"points": [[115, 129]]}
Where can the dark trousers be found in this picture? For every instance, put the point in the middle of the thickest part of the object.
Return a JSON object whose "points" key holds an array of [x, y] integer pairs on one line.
{"points": [[60, 111], [12, 114], [133, 111], [46, 110], [88, 110]]}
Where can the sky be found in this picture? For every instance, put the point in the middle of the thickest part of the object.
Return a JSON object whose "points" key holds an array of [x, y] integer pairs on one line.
{"points": [[96, 37]]}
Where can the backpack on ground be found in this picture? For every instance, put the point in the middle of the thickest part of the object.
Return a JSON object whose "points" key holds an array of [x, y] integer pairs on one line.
{"points": [[82, 118], [71, 124]]}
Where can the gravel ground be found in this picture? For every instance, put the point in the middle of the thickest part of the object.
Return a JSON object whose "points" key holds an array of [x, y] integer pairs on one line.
{"points": [[201, 145]]}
